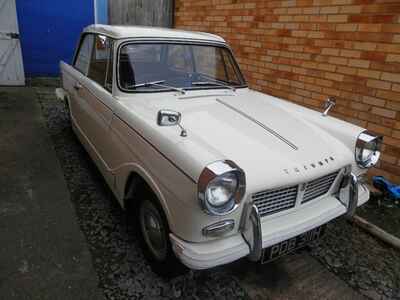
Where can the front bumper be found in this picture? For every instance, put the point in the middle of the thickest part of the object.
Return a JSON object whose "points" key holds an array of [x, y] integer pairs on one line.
{"points": [[273, 230]]}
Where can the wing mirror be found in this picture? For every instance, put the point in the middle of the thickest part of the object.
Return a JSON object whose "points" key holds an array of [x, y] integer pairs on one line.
{"points": [[171, 118], [328, 105]]}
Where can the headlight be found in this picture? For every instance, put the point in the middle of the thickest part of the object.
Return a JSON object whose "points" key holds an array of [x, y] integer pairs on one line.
{"points": [[222, 185], [368, 149]]}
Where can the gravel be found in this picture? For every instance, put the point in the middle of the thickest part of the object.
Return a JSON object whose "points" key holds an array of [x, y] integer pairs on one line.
{"points": [[364, 263]]}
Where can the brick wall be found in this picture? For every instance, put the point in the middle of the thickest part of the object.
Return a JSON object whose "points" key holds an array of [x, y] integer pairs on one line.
{"points": [[307, 50]]}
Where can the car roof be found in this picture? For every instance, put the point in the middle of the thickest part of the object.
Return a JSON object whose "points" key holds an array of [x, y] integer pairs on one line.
{"points": [[125, 32]]}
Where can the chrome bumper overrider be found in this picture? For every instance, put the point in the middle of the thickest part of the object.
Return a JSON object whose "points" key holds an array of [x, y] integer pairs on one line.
{"points": [[353, 196], [251, 222], [252, 234]]}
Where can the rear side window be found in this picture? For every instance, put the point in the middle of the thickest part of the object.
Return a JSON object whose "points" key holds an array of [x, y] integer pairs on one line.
{"points": [[85, 51], [100, 64]]}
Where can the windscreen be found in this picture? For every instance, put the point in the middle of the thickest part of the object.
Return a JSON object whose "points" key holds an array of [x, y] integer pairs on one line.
{"points": [[186, 66]]}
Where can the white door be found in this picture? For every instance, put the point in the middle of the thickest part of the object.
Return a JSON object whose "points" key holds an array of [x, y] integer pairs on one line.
{"points": [[11, 66]]}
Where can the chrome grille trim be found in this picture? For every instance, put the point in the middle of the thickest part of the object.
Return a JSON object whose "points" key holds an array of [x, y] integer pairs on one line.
{"points": [[273, 201], [319, 187]]}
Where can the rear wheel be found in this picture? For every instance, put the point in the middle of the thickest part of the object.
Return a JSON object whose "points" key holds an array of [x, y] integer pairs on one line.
{"points": [[155, 239]]}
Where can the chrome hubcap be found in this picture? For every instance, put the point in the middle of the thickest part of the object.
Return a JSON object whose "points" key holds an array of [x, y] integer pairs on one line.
{"points": [[153, 230]]}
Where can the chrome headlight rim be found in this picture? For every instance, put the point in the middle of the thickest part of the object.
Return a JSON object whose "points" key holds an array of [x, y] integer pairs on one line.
{"points": [[367, 138], [217, 170]]}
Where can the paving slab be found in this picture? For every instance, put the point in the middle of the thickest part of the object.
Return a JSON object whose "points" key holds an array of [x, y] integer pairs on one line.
{"points": [[296, 276], [43, 254]]}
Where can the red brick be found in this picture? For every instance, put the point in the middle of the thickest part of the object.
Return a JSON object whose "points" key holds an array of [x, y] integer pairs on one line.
{"points": [[378, 84], [337, 18], [388, 95], [393, 77], [383, 112], [350, 53], [358, 63], [375, 56], [374, 101], [372, 18], [353, 9], [370, 27], [379, 129], [393, 106]]}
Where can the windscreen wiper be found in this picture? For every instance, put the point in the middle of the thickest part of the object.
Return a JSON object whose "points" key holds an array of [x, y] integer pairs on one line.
{"points": [[217, 83], [158, 83]]}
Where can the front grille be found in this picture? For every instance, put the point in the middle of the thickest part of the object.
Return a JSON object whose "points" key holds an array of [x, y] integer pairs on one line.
{"points": [[273, 201], [319, 187]]}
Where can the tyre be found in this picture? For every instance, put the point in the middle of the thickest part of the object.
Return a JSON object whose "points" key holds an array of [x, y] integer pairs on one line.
{"points": [[156, 244]]}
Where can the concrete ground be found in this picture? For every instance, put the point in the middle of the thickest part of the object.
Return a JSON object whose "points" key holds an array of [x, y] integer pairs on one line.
{"points": [[43, 254]]}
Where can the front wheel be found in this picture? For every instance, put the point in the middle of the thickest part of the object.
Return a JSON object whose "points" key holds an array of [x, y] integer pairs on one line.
{"points": [[155, 238]]}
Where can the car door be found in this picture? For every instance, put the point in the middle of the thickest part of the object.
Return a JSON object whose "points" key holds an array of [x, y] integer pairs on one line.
{"points": [[97, 102], [72, 78]]}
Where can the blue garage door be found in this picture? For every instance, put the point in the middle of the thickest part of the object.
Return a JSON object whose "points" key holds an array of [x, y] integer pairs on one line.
{"points": [[49, 32]]}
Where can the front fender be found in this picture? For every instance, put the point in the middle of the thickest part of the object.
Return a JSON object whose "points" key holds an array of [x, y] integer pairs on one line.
{"points": [[343, 131], [121, 180]]}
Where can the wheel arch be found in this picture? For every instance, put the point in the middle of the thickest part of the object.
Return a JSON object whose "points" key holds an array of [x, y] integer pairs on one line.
{"points": [[134, 174]]}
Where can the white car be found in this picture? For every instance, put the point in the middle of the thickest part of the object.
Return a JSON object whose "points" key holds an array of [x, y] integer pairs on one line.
{"points": [[212, 170]]}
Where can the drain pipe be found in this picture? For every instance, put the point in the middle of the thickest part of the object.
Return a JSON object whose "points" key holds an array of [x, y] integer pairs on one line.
{"points": [[377, 232]]}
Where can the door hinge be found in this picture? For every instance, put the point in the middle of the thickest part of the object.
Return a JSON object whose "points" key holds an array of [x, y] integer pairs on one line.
{"points": [[13, 35]]}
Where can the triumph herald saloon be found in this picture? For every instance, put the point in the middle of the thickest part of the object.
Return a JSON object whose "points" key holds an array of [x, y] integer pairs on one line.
{"points": [[211, 170]]}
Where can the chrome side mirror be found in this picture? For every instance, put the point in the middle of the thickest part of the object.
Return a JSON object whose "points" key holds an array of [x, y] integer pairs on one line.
{"points": [[170, 118], [328, 105]]}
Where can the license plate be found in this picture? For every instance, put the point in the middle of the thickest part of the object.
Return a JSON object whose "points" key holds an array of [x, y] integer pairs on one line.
{"points": [[278, 250]]}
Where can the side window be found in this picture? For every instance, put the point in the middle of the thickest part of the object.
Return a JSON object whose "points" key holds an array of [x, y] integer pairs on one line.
{"points": [[110, 69], [85, 51], [100, 64]]}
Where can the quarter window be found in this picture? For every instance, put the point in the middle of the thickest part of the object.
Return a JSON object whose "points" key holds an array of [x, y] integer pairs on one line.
{"points": [[100, 69], [85, 51]]}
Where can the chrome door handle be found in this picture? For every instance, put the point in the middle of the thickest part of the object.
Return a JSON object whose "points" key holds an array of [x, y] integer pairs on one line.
{"points": [[77, 86]]}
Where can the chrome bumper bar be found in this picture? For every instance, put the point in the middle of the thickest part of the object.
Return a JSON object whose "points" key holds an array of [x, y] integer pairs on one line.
{"points": [[251, 223]]}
